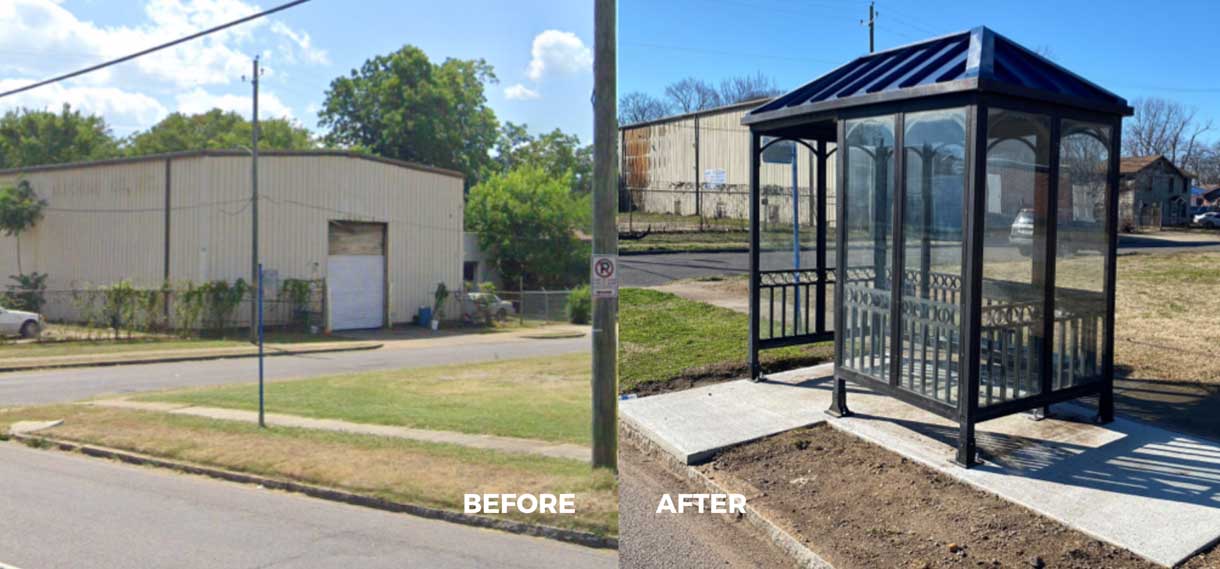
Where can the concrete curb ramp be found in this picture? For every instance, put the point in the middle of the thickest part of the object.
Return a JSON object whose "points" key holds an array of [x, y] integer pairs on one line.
{"points": [[332, 494], [1151, 491], [186, 355], [515, 445]]}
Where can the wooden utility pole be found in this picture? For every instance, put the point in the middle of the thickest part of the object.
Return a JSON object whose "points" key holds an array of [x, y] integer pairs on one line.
{"points": [[605, 236], [872, 20]]}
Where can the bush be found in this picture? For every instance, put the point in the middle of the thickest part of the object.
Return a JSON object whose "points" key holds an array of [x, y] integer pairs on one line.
{"points": [[580, 305], [28, 294]]}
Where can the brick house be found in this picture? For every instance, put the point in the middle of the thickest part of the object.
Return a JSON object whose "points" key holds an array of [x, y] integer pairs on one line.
{"points": [[1152, 192]]}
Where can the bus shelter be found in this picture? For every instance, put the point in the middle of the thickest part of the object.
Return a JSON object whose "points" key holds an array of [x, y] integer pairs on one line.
{"points": [[974, 229]]}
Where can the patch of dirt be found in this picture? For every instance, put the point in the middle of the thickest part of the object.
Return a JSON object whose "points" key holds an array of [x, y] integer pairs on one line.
{"points": [[861, 506], [730, 293]]}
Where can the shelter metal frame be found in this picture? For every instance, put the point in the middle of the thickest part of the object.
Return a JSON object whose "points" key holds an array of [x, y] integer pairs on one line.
{"points": [[823, 123]]}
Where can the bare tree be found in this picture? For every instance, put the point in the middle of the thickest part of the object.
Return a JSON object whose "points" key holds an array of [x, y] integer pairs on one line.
{"points": [[691, 94], [1161, 126], [1205, 164], [746, 87], [637, 107]]}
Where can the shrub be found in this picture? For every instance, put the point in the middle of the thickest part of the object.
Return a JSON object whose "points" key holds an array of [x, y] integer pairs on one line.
{"points": [[29, 292], [580, 305]]}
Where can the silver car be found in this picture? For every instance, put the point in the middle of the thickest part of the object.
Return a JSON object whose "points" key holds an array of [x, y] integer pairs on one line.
{"points": [[1021, 234], [1208, 219], [21, 323], [500, 309]]}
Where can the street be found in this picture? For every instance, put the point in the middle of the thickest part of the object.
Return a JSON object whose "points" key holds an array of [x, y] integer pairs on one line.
{"points": [[68, 511], [74, 384], [658, 269]]}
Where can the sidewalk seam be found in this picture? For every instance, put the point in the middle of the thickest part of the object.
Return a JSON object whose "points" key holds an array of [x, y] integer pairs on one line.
{"points": [[330, 494]]}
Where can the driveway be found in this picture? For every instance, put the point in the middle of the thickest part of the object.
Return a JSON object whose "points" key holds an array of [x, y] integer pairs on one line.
{"points": [[68, 511], [59, 386]]}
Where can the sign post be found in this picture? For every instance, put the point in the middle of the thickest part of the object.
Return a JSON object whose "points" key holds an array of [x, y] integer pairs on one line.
{"points": [[262, 423]]}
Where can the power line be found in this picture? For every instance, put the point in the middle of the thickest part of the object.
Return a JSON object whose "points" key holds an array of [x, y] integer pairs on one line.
{"points": [[142, 53]]}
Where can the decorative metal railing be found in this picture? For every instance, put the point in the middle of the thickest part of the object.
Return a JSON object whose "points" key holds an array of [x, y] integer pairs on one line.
{"points": [[930, 343], [794, 304]]}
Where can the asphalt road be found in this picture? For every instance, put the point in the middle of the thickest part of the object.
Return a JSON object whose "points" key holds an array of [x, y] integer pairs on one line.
{"points": [[74, 384], [655, 270], [67, 511], [649, 540]]}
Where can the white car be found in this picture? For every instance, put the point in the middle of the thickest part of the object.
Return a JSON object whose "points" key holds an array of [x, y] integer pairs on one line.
{"points": [[500, 309], [21, 323], [1208, 219]]}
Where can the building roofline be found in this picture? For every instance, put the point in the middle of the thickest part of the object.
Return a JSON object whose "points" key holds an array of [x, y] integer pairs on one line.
{"points": [[233, 153], [749, 103], [1152, 159]]}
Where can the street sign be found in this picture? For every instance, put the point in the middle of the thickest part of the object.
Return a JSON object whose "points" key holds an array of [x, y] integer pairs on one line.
{"points": [[714, 178], [605, 276]]}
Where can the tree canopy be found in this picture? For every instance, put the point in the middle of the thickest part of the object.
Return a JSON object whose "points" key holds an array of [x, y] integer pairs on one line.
{"points": [[527, 220], [33, 137], [216, 129], [403, 106], [556, 152], [20, 209]]}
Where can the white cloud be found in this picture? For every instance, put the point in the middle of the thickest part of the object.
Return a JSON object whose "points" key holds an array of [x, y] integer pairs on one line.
{"points": [[200, 101], [41, 37], [124, 110], [558, 52], [520, 92]]}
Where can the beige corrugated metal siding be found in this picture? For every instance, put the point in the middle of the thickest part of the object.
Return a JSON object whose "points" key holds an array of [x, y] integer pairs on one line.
{"points": [[116, 230], [659, 167]]}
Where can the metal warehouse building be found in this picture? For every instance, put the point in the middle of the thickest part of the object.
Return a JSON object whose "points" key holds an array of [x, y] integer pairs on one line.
{"points": [[380, 233], [699, 164]]}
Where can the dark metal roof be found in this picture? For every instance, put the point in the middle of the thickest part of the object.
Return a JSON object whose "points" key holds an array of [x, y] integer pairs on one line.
{"points": [[975, 60]]}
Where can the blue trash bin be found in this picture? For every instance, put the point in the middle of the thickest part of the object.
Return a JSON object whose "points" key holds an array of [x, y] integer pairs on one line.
{"points": [[425, 316]]}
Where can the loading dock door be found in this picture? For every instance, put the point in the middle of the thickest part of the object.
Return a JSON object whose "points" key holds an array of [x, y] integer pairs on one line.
{"points": [[355, 275]]}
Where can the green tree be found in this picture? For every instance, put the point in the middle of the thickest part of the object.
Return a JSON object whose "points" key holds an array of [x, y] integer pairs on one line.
{"points": [[32, 138], [404, 106], [556, 152], [527, 220], [20, 209], [217, 129]]}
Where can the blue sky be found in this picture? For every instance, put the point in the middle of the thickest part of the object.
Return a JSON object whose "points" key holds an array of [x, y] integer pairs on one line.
{"points": [[1168, 49], [538, 48]]}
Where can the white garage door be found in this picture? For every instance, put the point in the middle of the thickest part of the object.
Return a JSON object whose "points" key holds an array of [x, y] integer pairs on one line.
{"points": [[356, 285]]}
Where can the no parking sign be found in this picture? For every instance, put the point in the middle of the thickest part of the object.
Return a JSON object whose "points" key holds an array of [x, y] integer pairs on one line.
{"points": [[605, 276]]}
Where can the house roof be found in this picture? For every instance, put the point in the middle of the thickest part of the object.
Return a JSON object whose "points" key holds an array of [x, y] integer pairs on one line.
{"points": [[975, 60], [1134, 164], [261, 153]]}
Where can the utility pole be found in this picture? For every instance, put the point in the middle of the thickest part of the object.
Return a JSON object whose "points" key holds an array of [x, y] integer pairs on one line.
{"points": [[872, 20], [605, 236], [254, 270]]}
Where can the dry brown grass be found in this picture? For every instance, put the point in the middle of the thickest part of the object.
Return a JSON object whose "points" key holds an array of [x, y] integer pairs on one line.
{"points": [[427, 474]]}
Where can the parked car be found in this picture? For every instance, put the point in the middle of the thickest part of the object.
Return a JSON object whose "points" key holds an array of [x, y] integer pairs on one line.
{"points": [[1072, 236], [21, 323], [1208, 219], [500, 309], [1021, 234]]}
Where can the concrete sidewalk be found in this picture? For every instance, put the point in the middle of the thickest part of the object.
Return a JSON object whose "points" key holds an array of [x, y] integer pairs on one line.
{"points": [[487, 442], [1148, 490], [179, 355]]}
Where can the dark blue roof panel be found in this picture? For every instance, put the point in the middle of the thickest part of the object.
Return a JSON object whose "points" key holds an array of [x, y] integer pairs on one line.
{"points": [[976, 59]]}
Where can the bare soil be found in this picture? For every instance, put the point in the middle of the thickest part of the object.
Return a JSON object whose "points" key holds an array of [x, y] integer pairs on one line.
{"points": [[861, 506]]}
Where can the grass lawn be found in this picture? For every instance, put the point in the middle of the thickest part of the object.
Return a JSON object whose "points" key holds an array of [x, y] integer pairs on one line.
{"points": [[428, 474], [98, 345], [538, 398], [664, 337]]}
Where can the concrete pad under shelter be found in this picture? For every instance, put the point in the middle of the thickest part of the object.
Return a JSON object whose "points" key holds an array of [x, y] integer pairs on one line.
{"points": [[1146, 489]]}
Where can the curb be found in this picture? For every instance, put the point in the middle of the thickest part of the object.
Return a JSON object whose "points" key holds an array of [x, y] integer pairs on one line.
{"points": [[330, 494], [183, 358], [800, 555]]}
